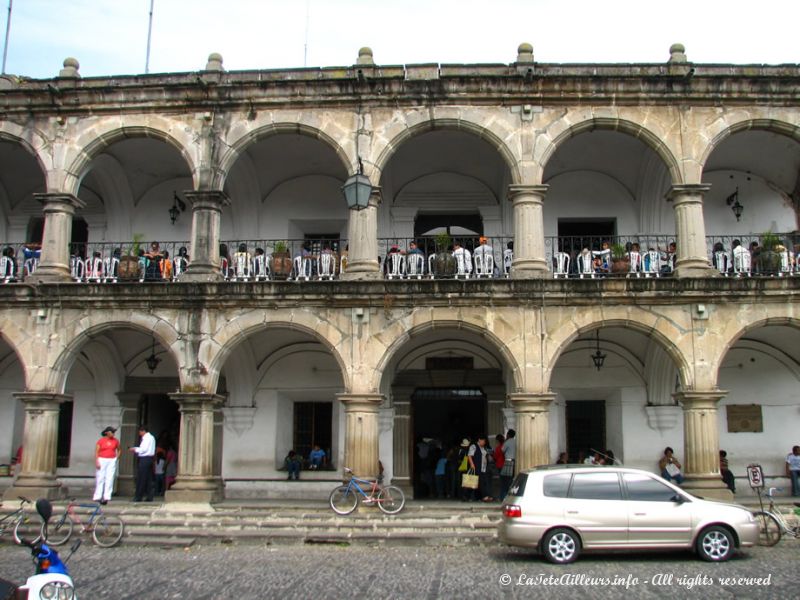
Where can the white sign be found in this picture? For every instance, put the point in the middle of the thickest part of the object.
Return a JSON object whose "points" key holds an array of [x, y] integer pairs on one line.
{"points": [[756, 476]]}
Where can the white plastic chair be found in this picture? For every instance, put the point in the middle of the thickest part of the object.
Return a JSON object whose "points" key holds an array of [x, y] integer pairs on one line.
{"points": [[786, 264], [223, 267], [585, 265], [179, 266], [741, 261], [302, 268], [241, 266], [394, 265], [605, 259], [110, 269], [94, 269], [635, 264], [560, 265], [722, 261], [77, 268], [326, 266], [30, 266], [8, 269], [652, 263], [508, 259], [484, 261], [415, 265], [463, 262], [260, 267]]}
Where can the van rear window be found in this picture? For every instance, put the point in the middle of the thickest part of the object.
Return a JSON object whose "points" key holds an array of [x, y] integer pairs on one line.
{"points": [[556, 486], [518, 486]]}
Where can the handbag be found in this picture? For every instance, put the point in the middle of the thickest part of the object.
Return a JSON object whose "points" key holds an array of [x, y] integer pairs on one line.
{"points": [[469, 481], [462, 468]]}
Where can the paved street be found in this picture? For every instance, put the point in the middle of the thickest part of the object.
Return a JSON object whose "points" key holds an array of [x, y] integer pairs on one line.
{"points": [[331, 571]]}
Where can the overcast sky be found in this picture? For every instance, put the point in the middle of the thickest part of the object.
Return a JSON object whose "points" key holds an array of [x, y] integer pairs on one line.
{"points": [[109, 37]]}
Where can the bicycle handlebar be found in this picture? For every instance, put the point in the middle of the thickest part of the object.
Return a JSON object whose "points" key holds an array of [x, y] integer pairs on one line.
{"points": [[773, 489]]}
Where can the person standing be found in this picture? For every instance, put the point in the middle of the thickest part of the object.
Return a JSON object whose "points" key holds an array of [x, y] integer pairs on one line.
{"points": [[793, 469], [509, 458], [145, 451], [106, 453], [478, 458]]}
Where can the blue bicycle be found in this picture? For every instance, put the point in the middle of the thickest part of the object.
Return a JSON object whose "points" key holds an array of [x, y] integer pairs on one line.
{"points": [[344, 499]]}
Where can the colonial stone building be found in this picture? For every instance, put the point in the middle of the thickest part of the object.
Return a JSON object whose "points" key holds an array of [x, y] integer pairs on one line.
{"points": [[361, 348]]}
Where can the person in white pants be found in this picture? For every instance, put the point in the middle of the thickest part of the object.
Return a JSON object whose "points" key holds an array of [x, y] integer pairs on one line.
{"points": [[106, 454]]}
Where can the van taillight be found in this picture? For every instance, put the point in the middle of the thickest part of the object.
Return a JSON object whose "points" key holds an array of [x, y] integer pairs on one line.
{"points": [[512, 510]]}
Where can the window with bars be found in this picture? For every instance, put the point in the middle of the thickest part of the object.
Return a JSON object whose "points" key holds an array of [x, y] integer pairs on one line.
{"points": [[313, 422]]}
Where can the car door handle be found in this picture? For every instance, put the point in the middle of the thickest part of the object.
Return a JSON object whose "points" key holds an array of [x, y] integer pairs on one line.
{"points": [[572, 512], [639, 514]]}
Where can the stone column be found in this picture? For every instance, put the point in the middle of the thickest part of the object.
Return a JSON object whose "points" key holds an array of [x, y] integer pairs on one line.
{"points": [[58, 212], [362, 233], [199, 477], [533, 429], [207, 208], [37, 479], [128, 435], [529, 255], [361, 432], [692, 260], [701, 444]]}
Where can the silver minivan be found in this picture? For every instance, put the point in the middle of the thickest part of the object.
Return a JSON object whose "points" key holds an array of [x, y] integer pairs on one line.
{"points": [[565, 509]]}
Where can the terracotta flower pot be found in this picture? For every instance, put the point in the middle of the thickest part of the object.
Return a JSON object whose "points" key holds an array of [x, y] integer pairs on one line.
{"points": [[281, 266]]}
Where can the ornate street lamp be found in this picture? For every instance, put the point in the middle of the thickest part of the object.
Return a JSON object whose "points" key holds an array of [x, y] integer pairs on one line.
{"points": [[598, 358], [152, 360], [357, 189], [733, 202], [178, 206]]}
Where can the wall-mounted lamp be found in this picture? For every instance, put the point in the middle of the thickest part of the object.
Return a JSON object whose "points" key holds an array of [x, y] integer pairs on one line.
{"points": [[598, 358], [178, 206], [733, 202], [152, 360], [357, 189]]}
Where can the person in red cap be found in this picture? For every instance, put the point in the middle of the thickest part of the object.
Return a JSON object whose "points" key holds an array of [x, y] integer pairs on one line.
{"points": [[106, 454]]}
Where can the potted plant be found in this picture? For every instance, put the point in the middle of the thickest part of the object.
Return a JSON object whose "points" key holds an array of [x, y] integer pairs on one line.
{"points": [[444, 263], [129, 267], [281, 266], [620, 261], [768, 257]]}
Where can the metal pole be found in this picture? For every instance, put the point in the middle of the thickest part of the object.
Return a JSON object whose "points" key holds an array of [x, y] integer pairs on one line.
{"points": [[149, 34], [8, 31]]}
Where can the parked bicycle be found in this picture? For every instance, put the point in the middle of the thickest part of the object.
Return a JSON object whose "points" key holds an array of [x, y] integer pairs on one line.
{"points": [[25, 526], [344, 499], [772, 522], [106, 529]]}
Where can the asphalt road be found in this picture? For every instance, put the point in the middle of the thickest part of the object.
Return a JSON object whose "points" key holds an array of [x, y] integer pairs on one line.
{"points": [[485, 572]]}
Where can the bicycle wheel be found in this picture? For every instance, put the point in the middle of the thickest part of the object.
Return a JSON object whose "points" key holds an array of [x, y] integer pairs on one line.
{"points": [[59, 531], [391, 500], [343, 500], [107, 530], [769, 530], [28, 528]]}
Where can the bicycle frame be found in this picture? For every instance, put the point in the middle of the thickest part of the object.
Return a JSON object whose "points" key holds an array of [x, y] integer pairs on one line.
{"points": [[354, 484], [87, 525], [776, 512]]}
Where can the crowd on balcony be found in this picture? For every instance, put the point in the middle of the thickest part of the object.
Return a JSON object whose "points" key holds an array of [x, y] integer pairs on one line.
{"points": [[421, 258]]}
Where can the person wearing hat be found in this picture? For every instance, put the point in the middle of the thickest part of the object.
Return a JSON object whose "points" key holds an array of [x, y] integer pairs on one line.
{"points": [[106, 453]]}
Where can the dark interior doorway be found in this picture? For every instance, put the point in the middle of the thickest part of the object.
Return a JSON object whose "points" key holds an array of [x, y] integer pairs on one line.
{"points": [[576, 234], [442, 417], [160, 414], [425, 223], [586, 428]]}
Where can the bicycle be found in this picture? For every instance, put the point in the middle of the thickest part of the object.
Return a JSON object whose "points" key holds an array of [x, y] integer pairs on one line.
{"points": [[24, 524], [772, 522], [106, 530], [344, 499]]}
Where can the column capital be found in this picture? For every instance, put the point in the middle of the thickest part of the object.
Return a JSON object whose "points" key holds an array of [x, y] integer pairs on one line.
{"points": [[43, 399], [531, 192], [59, 202], [531, 402], [699, 400], [686, 192], [207, 199], [188, 401], [360, 402], [376, 196]]}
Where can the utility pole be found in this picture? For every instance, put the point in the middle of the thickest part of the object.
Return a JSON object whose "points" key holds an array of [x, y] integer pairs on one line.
{"points": [[8, 31], [149, 34]]}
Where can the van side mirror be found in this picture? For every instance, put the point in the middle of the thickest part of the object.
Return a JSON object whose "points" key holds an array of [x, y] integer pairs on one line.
{"points": [[678, 499]]}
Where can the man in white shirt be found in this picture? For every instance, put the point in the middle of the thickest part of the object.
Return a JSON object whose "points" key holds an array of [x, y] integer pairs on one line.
{"points": [[145, 451]]}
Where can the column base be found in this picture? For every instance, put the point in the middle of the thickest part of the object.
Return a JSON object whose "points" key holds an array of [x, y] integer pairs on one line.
{"points": [[710, 487], [530, 272], [203, 491], [201, 274], [696, 270], [50, 274], [126, 487], [361, 276], [34, 488]]}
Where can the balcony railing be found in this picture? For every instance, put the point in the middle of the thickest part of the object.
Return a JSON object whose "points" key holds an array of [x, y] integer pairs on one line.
{"points": [[464, 257]]}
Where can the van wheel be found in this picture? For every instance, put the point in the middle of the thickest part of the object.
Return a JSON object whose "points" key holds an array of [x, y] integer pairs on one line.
{"points": [[561, 546], [715, 544]]}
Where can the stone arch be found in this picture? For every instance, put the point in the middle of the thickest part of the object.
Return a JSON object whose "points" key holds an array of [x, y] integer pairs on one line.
{"points": [[440, 124], [13, 337], [772, 125], [662, 330], [650, 139], [34, 144], [228, 337], [729, 343], [104, 139], [152, 325], [228, 159], [497, 344]]}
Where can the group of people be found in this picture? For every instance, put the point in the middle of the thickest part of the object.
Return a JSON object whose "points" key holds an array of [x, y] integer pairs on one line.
{"points": [[154, 264], [293, 463], [599, 262], [480, 261], [9, 269], [156, 468]]}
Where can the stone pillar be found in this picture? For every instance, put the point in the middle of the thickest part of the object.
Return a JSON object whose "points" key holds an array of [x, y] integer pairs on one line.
{"points": [[207, 208], [37, 479], [692, 260], [362, 233], [701, 444], [529, 255], [401, 444], [58, 212], [199, 477], [361, 432], [533, 429], [128, 435]]}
